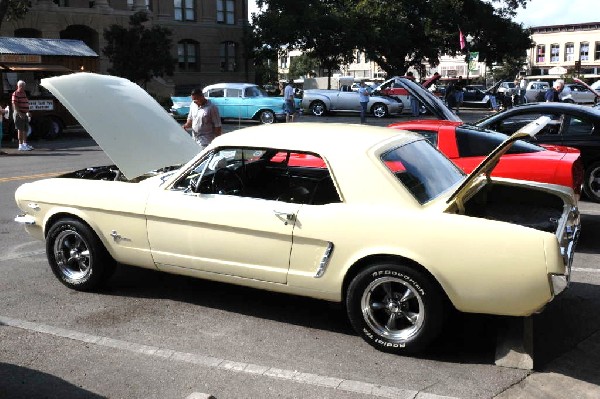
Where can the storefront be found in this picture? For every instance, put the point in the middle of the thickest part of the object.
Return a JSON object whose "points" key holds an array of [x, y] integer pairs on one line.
{"points": [[31, 60]]}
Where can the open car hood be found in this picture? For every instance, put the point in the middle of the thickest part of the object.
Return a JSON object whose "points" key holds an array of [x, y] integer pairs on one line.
{"points": [[486, 167], [432, 103], [136, 132]]}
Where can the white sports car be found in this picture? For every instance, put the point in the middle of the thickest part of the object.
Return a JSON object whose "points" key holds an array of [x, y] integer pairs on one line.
{"points": [[382, 222]]}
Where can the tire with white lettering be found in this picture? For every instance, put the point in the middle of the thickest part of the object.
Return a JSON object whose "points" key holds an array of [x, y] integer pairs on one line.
{"points": [[395, 308], [77, 256]]}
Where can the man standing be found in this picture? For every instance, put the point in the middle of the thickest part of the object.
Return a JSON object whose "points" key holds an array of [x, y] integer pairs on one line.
{"points": [[414, 103], [363, 98], [20, 105], [290, 104], [204, 119], [553, 94], [459, 88]]}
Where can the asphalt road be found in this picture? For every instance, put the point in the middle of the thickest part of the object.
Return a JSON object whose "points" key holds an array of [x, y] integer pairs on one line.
{"points": [[153, 335]]}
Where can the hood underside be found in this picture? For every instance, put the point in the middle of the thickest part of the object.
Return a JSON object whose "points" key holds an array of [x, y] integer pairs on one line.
{"points": [[136, 132]]}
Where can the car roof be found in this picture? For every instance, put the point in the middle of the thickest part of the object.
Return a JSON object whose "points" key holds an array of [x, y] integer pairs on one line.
{"points": [[322, 138], [229, 86], [553, 106]]}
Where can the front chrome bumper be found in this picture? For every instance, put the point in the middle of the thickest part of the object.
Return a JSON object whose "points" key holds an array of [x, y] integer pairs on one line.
{"points": [[25, 219]]}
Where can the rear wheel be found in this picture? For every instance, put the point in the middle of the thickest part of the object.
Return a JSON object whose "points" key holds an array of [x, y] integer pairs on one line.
{"points": [[77, 256], [395, 308], [591, 183], [318, 108], [266, 117]]}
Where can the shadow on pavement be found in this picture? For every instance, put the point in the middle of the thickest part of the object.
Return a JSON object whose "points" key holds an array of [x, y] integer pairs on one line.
{"points": [[23, 382]]}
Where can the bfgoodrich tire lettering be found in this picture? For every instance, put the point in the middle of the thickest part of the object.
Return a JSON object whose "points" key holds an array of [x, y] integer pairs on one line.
{"points": [[77, 256], [395, 308]]}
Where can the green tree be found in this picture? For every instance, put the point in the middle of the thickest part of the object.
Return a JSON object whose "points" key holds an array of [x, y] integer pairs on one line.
{"points": [[13, 9], [321, 28], [139, 53], [395, 34], [303, 65]]}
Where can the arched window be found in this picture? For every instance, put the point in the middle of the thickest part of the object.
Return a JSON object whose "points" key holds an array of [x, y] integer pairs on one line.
{"points": [[28, 32], [187, 55], [228, 54]]}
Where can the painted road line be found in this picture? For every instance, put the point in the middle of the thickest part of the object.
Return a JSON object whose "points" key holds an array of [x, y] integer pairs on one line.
{"points": [[335, 383], [31, 177]]}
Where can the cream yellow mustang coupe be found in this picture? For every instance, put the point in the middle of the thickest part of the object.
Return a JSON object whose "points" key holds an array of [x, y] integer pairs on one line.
{"points": [[375, 218]]}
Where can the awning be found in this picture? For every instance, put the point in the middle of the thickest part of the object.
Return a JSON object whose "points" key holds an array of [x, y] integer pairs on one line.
{"points": [[35, 67]]}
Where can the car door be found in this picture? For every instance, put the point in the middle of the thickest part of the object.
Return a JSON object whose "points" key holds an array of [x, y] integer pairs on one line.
{"points": [[582, 133], [226, 234], [348, 101]]}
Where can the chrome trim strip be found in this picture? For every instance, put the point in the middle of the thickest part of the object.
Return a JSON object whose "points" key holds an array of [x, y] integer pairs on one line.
{"points": [[25, 219], [324, 261]]}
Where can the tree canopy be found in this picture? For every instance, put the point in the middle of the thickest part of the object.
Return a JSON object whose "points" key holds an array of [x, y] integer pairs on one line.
{"points": [[139, 53], [13, 9], [395, 34]]}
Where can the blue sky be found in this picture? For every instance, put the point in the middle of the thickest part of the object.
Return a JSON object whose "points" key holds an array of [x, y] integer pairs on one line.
{"points": [[546, 12]]}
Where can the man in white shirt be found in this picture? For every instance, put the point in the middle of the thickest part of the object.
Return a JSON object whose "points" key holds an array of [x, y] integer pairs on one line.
{"points": [[204, 119], [290, 105]]}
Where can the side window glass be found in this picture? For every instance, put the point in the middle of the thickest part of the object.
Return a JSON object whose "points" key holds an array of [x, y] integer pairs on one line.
{"points": [[234, 93], [578, 127], [432, 137], [216, 93], [268, 174]]}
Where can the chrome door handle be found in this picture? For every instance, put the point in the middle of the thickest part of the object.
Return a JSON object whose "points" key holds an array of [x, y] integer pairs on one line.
{"points": [[285, 216]]}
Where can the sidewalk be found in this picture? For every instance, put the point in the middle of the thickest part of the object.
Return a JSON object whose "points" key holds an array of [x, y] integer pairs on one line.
{"points": [[573, 375]]}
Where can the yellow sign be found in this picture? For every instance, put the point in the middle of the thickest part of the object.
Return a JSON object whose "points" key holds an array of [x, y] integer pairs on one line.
{"points": [[21, 58]]}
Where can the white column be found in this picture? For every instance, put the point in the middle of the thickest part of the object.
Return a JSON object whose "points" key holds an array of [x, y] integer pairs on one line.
{"points": [[140, 5]]}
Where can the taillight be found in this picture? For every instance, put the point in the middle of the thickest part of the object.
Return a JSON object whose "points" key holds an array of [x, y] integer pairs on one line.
{"points": [[577, 172]]}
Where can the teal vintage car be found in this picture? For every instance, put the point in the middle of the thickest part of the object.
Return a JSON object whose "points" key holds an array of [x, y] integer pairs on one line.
{"points": [[238, 101]]}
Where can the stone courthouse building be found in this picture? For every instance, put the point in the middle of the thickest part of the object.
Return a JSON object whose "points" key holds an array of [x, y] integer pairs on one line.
{"points": [[207, 35]]}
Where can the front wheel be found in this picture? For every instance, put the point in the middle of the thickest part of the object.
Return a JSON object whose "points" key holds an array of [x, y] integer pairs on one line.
{"points": [[77, 256], [379, 110], [591, 182], [267, 117], [395, 308]]}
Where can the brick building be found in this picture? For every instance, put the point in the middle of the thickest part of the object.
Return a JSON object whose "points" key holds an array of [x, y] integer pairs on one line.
{"points": [[207, 35]]}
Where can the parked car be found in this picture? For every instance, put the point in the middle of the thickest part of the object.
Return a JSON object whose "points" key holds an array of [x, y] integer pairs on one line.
{"points": [[572, 125], [342, 213], [393, 88], [321, 101], [467, 146], [238, 101], [476, 95], [535, 91], [578, 94], [507, 88]]}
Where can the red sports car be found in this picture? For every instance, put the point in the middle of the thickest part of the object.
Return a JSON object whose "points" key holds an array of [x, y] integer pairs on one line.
{"points": [[467, 146]]}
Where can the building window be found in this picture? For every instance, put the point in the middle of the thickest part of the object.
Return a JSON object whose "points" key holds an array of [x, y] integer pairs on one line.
{"points": [[225, 12], [541, 53], [284, 60], [227, 54], [130, 4], [554, 52], [187, 55], [184, 10], [597, 52], [584, 51], [569, 52]]}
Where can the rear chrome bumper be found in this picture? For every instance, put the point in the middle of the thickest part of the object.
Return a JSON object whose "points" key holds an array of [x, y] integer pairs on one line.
{"points": [[567, 249]]}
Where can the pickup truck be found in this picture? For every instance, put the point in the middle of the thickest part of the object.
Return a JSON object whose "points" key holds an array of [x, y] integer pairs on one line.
{"points": [[321, 101]]}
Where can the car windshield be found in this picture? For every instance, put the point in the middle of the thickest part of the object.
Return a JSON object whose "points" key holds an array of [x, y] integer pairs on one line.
{"points": [[422, 169]]}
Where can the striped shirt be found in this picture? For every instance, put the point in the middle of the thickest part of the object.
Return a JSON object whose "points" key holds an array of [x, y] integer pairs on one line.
{"points": [[20, 101]]}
